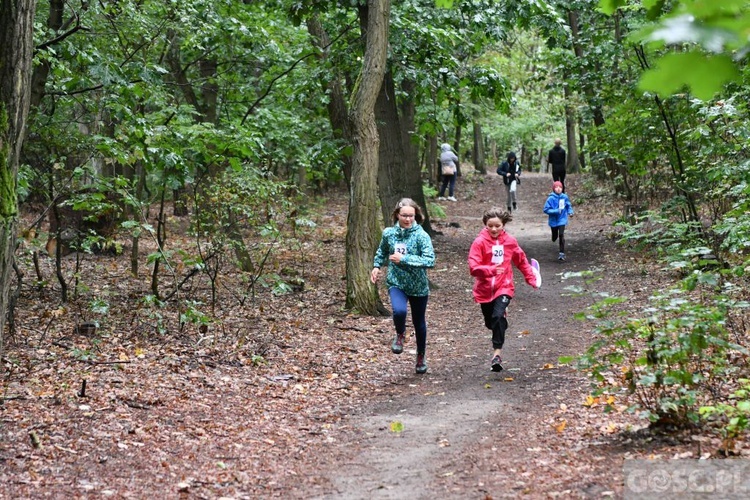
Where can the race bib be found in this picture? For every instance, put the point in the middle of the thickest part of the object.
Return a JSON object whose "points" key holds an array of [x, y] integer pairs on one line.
{"points": [[497, 254], [400, 248], [561, 204]]}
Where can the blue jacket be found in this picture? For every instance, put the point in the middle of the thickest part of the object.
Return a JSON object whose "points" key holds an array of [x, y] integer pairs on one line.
{"points": [[558, 216], [410, 275]]}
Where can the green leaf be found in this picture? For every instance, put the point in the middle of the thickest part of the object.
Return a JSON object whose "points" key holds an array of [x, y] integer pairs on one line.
{"points": [[703, 74], [444, 4], [610, 6], [397, 427]]}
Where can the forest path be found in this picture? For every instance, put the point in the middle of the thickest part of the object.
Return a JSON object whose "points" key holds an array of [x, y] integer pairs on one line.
{"points": [[469, 432]]}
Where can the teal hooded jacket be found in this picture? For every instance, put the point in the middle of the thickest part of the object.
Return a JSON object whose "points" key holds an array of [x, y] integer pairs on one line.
{"points": [[410, 275]]}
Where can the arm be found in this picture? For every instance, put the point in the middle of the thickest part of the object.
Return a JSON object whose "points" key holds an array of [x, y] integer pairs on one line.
{"points": [[382, 253], [425, 256], [550, 207], [380, 259], [476, 267], [522, 263], [569, 206]]}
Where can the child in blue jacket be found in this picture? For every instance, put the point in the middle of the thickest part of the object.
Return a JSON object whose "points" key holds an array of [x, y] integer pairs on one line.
{"points": [[558, 208]]}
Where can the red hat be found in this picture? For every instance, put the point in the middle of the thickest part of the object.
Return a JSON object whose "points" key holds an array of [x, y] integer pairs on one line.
{"points": [[557, 184]]}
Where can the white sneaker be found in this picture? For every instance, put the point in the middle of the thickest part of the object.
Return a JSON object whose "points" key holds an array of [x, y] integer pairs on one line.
{"points": [[441, 198], [451, 198]]}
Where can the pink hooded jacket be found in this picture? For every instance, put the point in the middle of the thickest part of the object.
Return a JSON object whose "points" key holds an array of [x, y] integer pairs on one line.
{"points": [[488, 283]]}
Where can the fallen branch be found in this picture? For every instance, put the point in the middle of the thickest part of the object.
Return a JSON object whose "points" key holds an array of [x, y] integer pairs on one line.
{"points": [[92, 362], [11, 398], [135, 404]]}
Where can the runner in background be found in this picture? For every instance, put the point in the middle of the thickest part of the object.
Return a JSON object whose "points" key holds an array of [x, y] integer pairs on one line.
{"points": [[558, 208], [510, 170]]}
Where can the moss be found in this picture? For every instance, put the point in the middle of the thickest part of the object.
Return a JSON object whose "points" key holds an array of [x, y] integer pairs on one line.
{"points": [[8, 201]]}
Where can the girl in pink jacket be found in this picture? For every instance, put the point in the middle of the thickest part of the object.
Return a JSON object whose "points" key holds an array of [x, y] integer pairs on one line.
{"points": [[490, 258]]}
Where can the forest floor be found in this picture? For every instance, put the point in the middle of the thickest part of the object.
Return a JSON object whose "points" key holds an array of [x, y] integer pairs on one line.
{"points": [[292, 397]]}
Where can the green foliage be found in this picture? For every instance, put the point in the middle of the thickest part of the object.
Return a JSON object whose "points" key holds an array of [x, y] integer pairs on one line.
{"points": [[707, 74], [671, 356], [732, 415], [712, 33], [528, 120], [99, 306], [192, 314]]}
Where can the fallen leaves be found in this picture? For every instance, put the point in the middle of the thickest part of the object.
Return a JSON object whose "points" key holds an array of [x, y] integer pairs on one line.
{"points": [[560, 426], [597, 400]]}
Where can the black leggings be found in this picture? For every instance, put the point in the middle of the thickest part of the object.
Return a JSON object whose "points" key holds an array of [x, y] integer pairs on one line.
{"points": [[559, 231], [559, 175], [494, 319]]}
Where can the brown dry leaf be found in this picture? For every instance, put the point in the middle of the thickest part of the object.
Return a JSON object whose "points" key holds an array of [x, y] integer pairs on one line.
{"points": [[591, 401], [548, 366], [508, 379], [560, 426]]}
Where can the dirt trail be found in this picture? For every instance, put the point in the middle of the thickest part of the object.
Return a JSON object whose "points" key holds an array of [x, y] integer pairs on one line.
{"points": [[469, 432]]}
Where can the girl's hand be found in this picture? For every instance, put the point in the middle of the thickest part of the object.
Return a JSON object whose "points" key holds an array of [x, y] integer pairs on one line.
{"points": [[395, 257], [375, 274]]}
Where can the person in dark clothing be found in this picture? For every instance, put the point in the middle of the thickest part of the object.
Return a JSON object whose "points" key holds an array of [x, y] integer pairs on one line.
{"points": [[510, 171], [556, 158]]}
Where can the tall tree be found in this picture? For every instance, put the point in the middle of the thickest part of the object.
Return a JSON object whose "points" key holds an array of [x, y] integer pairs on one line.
{"points": [[399, 175], [362, 221], [16, 50]]}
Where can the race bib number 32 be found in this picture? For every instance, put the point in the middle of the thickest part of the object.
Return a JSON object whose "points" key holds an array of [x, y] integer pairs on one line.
{"points": [[400, 248]]}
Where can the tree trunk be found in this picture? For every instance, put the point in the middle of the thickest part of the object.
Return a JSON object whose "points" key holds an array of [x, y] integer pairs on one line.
{"points": [[41, 71], [338, 113], [205, 103], [596, 109], [478, 150], [362, 220], [16, 49], [433, 160], [139, 180], [571, 159], [399, 176], [408, 109]]}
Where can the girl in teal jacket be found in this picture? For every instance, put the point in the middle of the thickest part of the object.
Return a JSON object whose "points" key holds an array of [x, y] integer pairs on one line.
{"points": [[407, 249]]}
